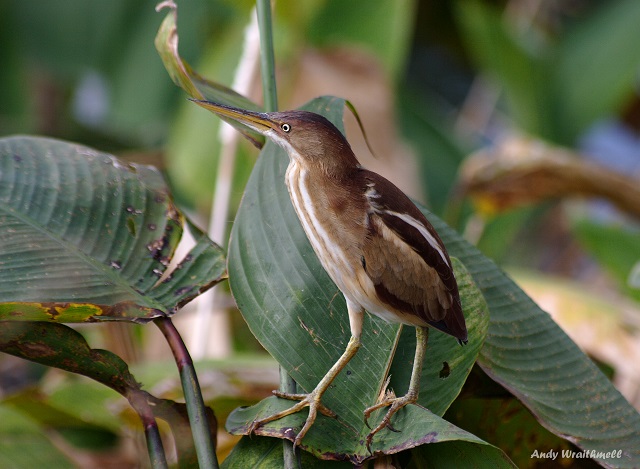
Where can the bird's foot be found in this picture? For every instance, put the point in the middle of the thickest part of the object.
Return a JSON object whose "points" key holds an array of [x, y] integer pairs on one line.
{"points": [[312, 400], [394, 404]]}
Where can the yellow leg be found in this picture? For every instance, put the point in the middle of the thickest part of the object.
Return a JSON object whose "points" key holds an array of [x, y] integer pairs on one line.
{"points": [[397, 403], [313, 398]]}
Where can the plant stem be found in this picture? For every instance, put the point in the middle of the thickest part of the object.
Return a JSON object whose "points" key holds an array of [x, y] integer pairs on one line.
{"points": [[138, 401], [202, 437], [270, 96], [267, 56]]}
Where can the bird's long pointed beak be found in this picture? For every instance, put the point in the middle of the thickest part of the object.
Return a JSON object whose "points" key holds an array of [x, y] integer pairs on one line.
{"points": [[257, 121]]}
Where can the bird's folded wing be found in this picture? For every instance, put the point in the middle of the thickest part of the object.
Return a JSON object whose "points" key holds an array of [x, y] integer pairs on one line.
{"points": [[406, 260]]}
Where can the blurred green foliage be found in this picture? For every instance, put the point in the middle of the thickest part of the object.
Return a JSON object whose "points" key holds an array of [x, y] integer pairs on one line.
{"points": [[87, 71]]}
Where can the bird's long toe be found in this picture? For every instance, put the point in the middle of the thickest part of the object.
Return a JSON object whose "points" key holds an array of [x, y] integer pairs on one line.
{"points": [[311, 400], [394, 404]]}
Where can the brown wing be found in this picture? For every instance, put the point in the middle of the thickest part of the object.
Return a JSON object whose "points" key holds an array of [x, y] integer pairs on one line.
{"points": [[406, 260]]}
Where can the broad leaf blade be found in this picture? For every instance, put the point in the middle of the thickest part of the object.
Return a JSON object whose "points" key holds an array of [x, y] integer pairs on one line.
{"points": [[527, 353], [85, 236], [461, 453], [334, 441], [202, 267], [266, 453], [60, 346]]}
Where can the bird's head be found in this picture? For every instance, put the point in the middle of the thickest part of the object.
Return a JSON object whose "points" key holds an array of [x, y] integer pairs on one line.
{"points": [[310, 139]]}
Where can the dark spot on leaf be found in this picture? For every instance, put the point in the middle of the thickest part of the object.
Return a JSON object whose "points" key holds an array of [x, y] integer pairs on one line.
{"points": [[168, 278], [445, 371], [36, 350], [155, 248], [290, 433], [159, 198], [131, 226], [187, 258], [152, 226], [52, 311], [348, 372], [17, 158], [429, 438], [363, 262], [116, 264], [183, 290]]}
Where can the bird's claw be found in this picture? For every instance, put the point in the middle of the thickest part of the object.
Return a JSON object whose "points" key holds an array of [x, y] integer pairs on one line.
{"points": [[312, 400], [308, 399], [394, 404]]}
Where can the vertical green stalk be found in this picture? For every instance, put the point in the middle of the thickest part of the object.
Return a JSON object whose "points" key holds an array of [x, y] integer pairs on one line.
{"points": [[202, 436], [270, 96], [267, 56], [138, 401]]}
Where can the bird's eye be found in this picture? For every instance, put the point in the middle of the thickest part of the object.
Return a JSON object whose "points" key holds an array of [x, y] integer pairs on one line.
{"points": [[285, 127]]}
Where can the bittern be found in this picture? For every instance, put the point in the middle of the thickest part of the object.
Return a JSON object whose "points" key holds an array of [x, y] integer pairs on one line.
{"points": [[375, 244]]}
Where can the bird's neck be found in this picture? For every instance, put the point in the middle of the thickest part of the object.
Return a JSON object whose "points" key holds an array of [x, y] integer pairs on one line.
{"points": [[334, 170]]}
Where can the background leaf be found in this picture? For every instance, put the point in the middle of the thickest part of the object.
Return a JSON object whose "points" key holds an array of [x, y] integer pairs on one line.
{"points": [[556, 87], [614, 247], [60, 346], [521, 72], [527, 353], [23, 444], [595, 67], [85, 236], [195, 85]]}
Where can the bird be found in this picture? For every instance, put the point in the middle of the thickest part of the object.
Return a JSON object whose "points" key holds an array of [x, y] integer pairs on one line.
{"points": [[374, 243]]}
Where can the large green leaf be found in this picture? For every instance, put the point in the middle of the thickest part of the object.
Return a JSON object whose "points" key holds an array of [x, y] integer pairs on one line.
{"points": [[443, 375], [56, 344], [527, 353], [298, 315], [84, 236], [510, 426], [266, 453]]}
